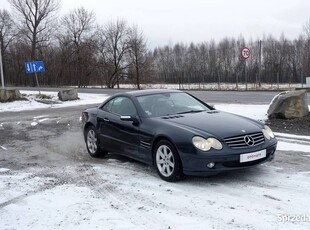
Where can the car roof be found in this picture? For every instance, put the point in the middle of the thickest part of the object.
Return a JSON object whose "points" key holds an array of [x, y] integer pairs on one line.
{"points": [[145, 92]]}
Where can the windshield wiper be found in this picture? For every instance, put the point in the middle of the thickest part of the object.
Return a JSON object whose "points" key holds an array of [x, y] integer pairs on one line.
{"points": [[191, 111]]}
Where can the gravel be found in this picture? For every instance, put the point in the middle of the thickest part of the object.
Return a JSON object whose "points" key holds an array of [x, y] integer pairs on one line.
{"points": [[297, 126]]}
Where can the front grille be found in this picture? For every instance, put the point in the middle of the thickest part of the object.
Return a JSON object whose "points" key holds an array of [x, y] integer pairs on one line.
{"points": [[245, 141]]}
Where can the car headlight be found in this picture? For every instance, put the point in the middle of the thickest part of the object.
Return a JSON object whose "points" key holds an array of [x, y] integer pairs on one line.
{"points": [[267, 132], [206, 144]]}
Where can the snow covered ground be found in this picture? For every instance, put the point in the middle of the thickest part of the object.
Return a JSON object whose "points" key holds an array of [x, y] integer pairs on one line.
{"points": [[213, 86], [119, 196], [32, 104], [112, 194]]}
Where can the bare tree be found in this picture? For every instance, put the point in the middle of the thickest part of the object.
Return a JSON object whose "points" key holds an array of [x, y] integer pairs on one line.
{"points": [[164, 62], [306, 61], [79, 25], [7, 30], [7, 34], [77, 38], [35, 19], [137, 54], [179, 67], [114, 46]]}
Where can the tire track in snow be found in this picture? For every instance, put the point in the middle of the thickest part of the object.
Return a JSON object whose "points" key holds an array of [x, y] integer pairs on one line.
{"points": [[50, 183], [125, 204]]}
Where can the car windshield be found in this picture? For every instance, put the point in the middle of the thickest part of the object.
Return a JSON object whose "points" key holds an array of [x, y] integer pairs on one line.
{"points": [[163, 104]]}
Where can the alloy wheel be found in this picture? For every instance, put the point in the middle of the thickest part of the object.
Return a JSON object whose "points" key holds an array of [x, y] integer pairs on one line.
{"points": [[92, 141], [165, 161]]}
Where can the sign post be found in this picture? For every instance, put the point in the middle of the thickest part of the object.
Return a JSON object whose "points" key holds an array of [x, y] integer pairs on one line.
{"points": [[245, 53], [35, 67]]}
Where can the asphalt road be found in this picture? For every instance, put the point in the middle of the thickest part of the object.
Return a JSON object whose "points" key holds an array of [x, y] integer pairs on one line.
{"points": [[232, 97], [26, 133]]}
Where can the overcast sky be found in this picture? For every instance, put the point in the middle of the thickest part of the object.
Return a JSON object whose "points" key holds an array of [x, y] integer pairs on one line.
{"points": [[170, 21]]}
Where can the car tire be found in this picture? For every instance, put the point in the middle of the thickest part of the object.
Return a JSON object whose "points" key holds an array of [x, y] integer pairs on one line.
{"points": [[92, 143], [167, 161]]}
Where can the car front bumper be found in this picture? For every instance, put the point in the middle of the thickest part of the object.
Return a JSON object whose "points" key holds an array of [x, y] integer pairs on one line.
{"points": [[198, 165]]}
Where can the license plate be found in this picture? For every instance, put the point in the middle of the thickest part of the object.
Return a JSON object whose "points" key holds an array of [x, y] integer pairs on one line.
{"points": [[253, 156]]}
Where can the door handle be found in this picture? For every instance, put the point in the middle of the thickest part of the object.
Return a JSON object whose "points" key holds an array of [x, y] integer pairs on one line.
{"points": [[106, 119]]}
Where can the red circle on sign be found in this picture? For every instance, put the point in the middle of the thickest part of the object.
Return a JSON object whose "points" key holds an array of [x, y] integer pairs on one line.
{"points": [[245, 53]]}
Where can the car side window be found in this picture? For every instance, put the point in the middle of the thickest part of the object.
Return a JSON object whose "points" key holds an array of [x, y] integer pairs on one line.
{"points": [[121, 106], [107, 107]]}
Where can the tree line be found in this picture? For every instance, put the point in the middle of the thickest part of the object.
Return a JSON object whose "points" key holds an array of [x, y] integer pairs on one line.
{"points": [[271, 61], [77, 51]]}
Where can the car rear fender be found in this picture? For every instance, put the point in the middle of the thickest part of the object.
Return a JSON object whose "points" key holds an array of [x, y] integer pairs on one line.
{"points": [[86, 126]]}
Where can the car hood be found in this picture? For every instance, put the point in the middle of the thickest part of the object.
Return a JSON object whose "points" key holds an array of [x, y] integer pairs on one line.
{"points": [[215, 123]]}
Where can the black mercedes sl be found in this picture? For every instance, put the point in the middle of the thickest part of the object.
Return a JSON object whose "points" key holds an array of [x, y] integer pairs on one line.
{"points": [[177, 133]]}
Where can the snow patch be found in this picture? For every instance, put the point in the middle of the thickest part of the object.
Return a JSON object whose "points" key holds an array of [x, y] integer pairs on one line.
{"points": [[44, 119], [285, 146], [42, 116], [33, 124], [2, 147], [32, 104], [256, 112], [2, 170]]}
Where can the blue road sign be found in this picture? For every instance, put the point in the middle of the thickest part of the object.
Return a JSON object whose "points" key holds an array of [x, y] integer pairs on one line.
{"points": [[34, 67]]}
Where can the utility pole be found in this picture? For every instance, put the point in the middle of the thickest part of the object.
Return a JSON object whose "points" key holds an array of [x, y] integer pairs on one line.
{"points": [[260, 62], [302, 78], [1, 69]]}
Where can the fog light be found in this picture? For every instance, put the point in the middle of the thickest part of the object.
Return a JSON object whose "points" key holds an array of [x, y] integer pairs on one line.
{"points": [[210, 165]]}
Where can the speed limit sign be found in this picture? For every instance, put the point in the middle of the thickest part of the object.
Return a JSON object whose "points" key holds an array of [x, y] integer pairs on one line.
{"points": [[245, 53]]}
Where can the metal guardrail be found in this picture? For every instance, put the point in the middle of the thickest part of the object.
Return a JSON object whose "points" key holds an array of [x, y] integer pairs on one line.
{"points": [[307, 89], [303, 140]]}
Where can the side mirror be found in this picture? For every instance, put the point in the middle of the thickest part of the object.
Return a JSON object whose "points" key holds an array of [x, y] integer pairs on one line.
{"points": [[134, 120]]}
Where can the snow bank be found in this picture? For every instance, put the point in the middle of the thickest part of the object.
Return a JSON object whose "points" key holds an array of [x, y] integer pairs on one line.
{"points": [[31, 104]]}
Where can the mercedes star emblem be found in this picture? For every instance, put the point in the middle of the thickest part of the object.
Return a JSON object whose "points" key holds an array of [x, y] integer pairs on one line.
{"points": [[249, 140]]}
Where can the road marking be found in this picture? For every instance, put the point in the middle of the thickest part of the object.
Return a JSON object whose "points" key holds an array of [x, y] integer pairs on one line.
{"points": [[3, 147]]}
